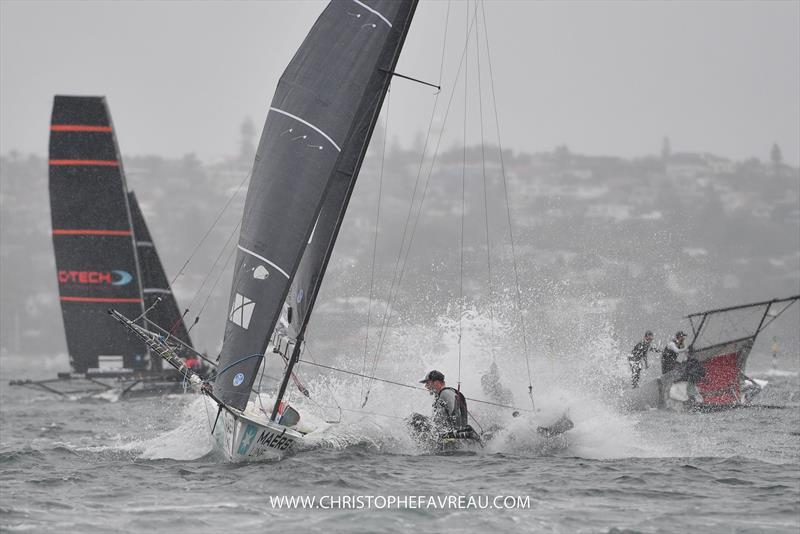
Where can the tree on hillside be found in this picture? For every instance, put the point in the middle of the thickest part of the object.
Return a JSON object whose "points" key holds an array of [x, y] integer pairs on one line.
{"points": [[562, 156], [776, 156], [666, 149]]}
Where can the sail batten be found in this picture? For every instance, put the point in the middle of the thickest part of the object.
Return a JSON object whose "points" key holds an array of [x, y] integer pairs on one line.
{"points": [[332, 83]]}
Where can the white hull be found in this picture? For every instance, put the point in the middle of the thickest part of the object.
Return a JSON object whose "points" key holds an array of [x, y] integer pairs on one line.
{"points": [[244, 438]]}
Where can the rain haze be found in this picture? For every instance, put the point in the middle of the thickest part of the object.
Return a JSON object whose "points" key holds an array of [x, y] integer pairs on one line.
{"points": [[535, 186], [609, 78]]}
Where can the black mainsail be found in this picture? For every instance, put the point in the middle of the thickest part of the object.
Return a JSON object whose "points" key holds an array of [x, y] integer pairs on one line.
{"points": [[155, 284], [316, 134], [92, 234]]}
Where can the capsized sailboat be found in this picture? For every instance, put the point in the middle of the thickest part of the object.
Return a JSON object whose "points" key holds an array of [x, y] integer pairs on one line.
{"points": [[713, 376], [104, 256]]}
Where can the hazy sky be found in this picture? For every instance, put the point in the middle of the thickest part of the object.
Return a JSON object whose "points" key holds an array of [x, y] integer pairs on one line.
{"points": [[603, 77]]}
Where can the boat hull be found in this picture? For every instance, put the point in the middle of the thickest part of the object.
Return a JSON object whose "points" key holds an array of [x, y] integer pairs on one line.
{"points": [[243, 438], [718, 383]]}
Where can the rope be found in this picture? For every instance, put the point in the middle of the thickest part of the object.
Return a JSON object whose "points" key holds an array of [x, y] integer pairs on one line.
{"points": [[214, 286], [408, 386], [485, 197], [210, 228], [397, 279], [214, 265], [508, 210], [219, 372], [307, 348], [375, 240], [463, 198]]}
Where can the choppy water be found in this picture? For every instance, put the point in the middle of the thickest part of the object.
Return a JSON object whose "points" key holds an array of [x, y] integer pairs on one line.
{"points": [[147, 466]]}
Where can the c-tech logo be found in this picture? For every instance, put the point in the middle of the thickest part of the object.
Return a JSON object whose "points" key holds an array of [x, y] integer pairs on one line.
{"points": [[107, 278]]}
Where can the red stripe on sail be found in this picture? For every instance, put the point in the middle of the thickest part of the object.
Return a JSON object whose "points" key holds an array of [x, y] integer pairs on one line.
{"points": [[97, 162], [92, 232], [97, 299], [79, 128]]}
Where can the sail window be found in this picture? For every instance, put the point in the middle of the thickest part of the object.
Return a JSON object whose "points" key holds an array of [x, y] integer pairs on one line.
{"points": [[242, 311]]}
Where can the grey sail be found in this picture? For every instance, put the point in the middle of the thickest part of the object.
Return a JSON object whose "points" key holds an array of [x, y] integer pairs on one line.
{"points": [[93, 238], [317, 129], [155, 285]]}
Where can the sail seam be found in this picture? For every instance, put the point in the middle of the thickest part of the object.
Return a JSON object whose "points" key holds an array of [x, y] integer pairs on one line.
{"points": [[295, 117], [262, 258], [384, 19]]}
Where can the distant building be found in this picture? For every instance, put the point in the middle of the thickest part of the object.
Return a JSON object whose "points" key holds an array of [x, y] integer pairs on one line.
{"points": [[686, 165]]}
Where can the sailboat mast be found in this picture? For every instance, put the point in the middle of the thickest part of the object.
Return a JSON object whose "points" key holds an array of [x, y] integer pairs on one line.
{"points": [[356, 145]]}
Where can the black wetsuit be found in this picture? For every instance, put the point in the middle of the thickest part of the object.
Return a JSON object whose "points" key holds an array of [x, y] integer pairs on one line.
{"points": [[636, 359], [669, 357]]}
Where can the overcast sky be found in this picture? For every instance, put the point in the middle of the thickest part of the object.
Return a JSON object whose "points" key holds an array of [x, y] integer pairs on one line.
{"points": [[602, 77]]}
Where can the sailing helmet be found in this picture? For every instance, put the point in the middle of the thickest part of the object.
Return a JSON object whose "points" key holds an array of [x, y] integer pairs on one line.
{"points": [[648, 333], [432, 376], [680, 333]]}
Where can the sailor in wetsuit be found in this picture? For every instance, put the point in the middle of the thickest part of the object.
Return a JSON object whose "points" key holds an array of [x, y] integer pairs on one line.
{"points": [[669, 355], [449, 406], [638, 357], [450, 414]]}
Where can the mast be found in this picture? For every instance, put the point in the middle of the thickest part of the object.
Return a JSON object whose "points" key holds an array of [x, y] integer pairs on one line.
{"points": [[93, 238], [310, 273], [319, 123]]}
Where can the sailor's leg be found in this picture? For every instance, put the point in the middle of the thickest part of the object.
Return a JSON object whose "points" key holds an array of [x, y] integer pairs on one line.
{"points": [[635, 372]]}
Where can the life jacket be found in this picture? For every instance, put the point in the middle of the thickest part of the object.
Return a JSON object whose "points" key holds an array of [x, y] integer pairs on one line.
{"points": [[459, 418], [669, 354]]}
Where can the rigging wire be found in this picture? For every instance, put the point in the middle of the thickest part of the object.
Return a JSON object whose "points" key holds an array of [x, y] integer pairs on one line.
{"points": [[231, 255], [397, 279], [211, 228], [463, 196], [191, 256], [375, 240], [408, 386], [485, 193], [394, 282], [508, 209], [307, 348]]}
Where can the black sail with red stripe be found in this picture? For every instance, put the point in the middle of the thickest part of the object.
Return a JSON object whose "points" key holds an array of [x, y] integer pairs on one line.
{"points": [[317, 129], [155, 285], [93, 239]]}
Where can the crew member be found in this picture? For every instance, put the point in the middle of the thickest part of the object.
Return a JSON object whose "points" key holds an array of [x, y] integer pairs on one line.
{"points": [[669, 355], [638, 357], [449, 405]]}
